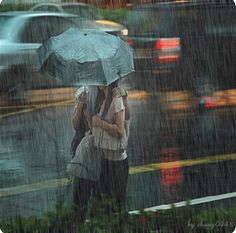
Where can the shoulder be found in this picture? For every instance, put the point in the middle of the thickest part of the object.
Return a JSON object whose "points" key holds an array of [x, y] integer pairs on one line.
{"points": [[118, 104]]}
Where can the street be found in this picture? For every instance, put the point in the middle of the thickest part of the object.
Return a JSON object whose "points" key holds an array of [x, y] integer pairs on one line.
{"points": [[172, 158]]}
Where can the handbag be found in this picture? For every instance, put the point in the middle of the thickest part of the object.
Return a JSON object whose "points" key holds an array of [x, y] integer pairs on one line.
{"points": [[104, 140], [86, 163]]}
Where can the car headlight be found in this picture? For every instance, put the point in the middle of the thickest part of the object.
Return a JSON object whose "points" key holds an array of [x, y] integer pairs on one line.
{"points": [[124, 32]]}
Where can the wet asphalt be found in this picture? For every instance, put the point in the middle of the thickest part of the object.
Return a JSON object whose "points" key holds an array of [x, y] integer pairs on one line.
{"points": [[35, 149]]}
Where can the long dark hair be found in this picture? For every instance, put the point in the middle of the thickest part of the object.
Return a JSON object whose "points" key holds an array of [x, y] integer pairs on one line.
{"points": [[101, 97]]}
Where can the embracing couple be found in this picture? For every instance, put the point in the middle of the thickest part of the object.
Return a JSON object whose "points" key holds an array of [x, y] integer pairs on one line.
{"points": [[100, 165]]}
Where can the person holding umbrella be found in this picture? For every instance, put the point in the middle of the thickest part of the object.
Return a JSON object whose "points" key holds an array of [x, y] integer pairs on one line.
{"points": [[94, 58]]}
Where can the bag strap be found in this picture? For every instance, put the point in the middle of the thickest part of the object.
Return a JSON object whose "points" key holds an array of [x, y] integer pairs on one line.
{"points": [[104, 109], [99, 140]]}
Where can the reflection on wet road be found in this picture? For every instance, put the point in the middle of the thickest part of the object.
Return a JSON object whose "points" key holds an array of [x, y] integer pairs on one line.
{"points": [[172, 157]]}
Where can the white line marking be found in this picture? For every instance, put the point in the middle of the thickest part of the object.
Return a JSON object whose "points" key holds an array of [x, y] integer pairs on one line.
{"points": [[196, 201], [235, 4]]}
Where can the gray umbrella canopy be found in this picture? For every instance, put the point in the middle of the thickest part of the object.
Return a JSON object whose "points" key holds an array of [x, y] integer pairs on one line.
{"points": [[85, 57]]}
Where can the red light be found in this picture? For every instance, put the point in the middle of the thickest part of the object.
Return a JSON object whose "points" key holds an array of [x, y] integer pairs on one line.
{"points": [[167, 43], [168, 59], [170, 175], [210, 105], [209, 102], [168, 50]]}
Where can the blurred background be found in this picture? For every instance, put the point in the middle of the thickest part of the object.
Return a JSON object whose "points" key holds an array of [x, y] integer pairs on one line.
{"points": [[182, 95]]}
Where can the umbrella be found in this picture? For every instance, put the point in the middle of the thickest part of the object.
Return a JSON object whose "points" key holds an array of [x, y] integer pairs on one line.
{"points": [[85, 57]]}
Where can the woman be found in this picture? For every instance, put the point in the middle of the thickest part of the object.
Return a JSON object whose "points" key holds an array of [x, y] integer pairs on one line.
{"points": [[89, 104], [114, 164]]}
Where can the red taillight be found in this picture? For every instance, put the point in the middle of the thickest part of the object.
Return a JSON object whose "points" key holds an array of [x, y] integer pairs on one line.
{"points": [[208, 102], [168, 59], [168, 43], [168, 50]]}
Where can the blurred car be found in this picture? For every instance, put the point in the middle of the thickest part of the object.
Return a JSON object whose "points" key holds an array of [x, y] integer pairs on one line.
{"points": [[84, 10], [184, 45], [21, 33]]}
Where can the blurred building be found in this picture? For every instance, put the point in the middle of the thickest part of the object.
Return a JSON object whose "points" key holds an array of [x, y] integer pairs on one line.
{"points": [[28, 1], [103, 3], [99, 3]]}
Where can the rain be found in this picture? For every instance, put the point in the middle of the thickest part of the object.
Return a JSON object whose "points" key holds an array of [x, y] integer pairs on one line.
{"points": [[148, 87]]}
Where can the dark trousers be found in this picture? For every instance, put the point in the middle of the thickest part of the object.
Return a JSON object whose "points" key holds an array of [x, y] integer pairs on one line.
{"points": [[112, 184], [83, 190], [113, 181]]}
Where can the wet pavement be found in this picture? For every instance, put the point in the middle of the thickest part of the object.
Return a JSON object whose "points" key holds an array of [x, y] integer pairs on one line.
{"points": [[171, 158]]}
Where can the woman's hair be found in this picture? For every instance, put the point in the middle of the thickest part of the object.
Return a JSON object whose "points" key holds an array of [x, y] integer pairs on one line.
{"points": [[99, 100], [109, 97], [101, 96]]}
